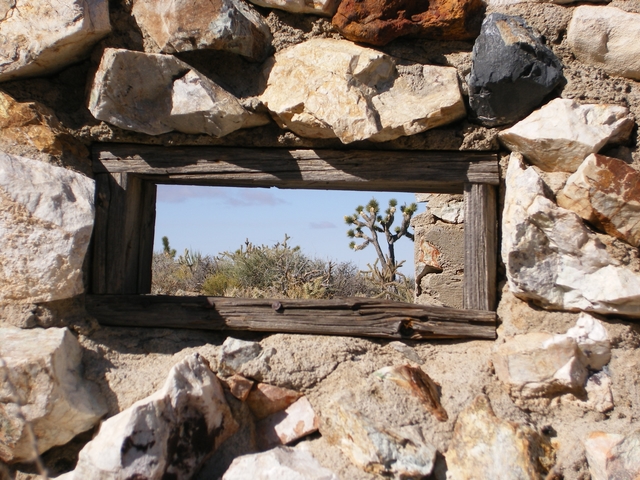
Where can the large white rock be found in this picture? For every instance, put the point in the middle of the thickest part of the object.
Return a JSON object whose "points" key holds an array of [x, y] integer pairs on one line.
{"points": [[606, 192], [560, 135], [281, 463], [325, 8], [402, 451], [40, 383], [184, 25], [46, 219], [606, 37], [166, 435], [38, 37], [326, 88], [485, 446], [537, 364], [155, 94], [551, 257], [613, 456]]}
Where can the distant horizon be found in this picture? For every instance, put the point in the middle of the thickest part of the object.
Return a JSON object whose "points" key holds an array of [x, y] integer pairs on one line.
{"points": [[212, 220]]}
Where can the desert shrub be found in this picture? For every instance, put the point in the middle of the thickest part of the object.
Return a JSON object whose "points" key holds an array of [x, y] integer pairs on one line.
{"points": [[269, 271]]}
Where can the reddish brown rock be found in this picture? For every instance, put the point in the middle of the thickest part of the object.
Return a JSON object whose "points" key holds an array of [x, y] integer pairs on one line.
{"points": [[239, 386], [605, 192], [265, 399], [282, 428], [377, 22]]}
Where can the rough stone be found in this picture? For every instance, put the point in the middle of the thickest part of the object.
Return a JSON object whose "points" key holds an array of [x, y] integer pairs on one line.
{"points": [[485, 446], [264, 399], [560, 135], [592, 339], [540, 364], [377, 22], [46, 220], [239, 386], [38, 37], [235, 353], [512, 71], [40, 383], [29, 129], [605, 37], [182, 25], [403, 451], [552, 259], [598, 390], [326, 88], [168, 434], [613, 456], [605, 192], [155, 94], [284, 463], [282, 428], [324, 8]]}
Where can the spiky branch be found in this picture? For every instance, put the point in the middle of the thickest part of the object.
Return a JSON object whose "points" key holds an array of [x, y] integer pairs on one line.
{"points": [[369, 223]]}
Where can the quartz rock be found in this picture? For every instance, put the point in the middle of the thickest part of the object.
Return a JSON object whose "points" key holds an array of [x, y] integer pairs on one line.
{"points": [[46, 220], [324, 8], [605, 192], [613, 456], [378, 22], [40, 383], [282, 428], [166, 435], [402, 451], [512, 71], [327, 88], [598, 389], [265, 399], [593, 340], [184, 25], [560, 135], [155, 94], [538, 364], [606, 37], [235, 353], [551, 257], [282, 462], [39, 37], [485, 446]]}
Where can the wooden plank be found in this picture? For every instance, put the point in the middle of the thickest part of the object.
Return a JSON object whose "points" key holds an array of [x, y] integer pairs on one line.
{"points": [[99, 239], [481, 246], [351, 316], [147, 230], [123, 234], [403, 171]]}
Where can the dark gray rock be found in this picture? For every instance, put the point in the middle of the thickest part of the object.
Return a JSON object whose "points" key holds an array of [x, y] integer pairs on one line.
{"points": [[512, 71]]}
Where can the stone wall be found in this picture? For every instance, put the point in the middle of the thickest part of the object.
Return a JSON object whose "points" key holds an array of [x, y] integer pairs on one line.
{"points": [[552, 88]]}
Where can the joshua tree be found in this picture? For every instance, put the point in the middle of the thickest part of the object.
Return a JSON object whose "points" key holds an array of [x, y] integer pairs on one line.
{"points": [[369, 223]]}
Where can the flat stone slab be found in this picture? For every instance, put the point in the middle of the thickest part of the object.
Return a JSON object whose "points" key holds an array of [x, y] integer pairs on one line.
{"points": [[560, 135], [326, 88], [46, 221], [606, 37], [185, 25], [155, 94], [39, 37]]}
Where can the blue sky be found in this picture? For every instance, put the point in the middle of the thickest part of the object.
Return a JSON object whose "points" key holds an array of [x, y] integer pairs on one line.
{"points": [[215, 219]]}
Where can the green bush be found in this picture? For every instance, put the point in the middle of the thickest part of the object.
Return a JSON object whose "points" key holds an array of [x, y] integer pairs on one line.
{"points": [[263, 271]]}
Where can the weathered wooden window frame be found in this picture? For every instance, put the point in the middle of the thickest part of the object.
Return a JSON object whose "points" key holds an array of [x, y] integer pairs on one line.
{"points": [[126, 178]]}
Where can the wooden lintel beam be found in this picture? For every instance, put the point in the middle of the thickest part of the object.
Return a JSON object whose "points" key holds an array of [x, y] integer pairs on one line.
{"points": [[352, 316], [410, 171]]}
